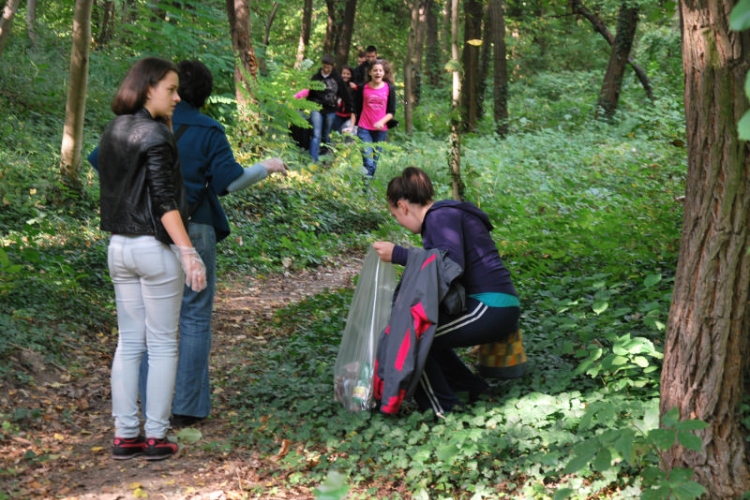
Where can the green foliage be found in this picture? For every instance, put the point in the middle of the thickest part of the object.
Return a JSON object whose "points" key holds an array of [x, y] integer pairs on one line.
{"points": [[629, 443], [739, 20]]}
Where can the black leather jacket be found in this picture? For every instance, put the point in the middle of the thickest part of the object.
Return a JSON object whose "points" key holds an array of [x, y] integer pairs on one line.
{"points": [[140, 176]]}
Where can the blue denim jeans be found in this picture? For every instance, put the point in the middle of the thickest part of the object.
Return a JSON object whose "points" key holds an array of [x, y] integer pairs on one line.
{"points": [[148, 281], [371, 155], [192, 393], [322, 123]]}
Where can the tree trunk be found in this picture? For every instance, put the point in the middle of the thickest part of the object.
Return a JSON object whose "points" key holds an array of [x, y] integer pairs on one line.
{"points": [[627, 20], [304, 34], [470, 63], [454, 152], [341, 54], [485, 56], [706, 350], [500, 77], [6, 22], [239, 25], [578, 8], [108, 23], [434, 55], [333, 26], [75, 108], [262, 67], [409, 65], [31, 23]]}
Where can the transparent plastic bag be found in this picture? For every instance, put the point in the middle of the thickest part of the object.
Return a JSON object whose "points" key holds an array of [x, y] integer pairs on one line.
{"points": [[368, 316]]}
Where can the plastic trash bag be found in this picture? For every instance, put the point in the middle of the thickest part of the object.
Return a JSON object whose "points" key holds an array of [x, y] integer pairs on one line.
{"points": [[368, 316]]}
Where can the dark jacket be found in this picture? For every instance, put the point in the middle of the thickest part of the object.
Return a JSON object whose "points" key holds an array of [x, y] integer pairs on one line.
{"points": [[404, 344], [139, 172], [335, 88]]}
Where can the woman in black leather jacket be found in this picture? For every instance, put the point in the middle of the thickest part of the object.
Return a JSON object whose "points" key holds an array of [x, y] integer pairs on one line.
{"points": [[143, 205]]}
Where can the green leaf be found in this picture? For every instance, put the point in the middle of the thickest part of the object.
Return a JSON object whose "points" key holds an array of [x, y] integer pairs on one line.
{"points": [[743, 127], [739, 18], [333, 488], [563, 493], [600, 307], [189, 435], [445, 453], [652, 279], [603, 460], [661, 438], [671, 418], [690, 440], [689, 491], [690, 425]]}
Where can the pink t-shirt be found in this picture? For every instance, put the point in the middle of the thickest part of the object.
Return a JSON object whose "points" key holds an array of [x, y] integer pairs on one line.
{"points": [[374, 104]]}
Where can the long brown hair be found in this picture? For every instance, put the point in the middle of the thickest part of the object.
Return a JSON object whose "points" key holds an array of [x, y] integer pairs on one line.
{"points": [[387, 71], [133, 91]]}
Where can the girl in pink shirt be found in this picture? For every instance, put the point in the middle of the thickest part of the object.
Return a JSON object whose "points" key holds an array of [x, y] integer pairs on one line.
{"points": [[377, 107]]}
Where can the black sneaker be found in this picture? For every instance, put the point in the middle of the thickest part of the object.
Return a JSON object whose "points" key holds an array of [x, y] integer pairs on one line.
{"points": [[124, 449], [179, 421], [159, 449]]}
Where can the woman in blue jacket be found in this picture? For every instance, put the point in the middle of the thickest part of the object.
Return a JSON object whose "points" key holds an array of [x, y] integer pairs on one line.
{"points": [[462, 231]]}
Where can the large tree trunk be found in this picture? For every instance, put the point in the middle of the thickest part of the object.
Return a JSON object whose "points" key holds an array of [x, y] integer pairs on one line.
{"points": [[470, 86], [72, 143], [6, 22], [434, 55], [706, 350], [454, 153], [341, 54], [627, 20], [500, 77], [239, 25], [304, 34], [577, 7]]}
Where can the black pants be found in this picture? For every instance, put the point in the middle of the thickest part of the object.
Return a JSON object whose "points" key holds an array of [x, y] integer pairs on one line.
{"points": [[444, 373]]}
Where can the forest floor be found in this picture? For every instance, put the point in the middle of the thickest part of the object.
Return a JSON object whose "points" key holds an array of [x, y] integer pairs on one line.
{"points": [[61, 447]]}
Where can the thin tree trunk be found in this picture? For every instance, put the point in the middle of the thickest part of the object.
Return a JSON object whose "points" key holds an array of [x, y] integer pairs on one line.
{"points": [[706, 350], [409, 63], [341, 55], [627, 21], [304, 34], [434, 54], [500, 76], [31, 23], [108, 21], [239, 25], [6, 22], [485, 56], [333, 26], [75, 108], [454, 153], [577, 7], [267, 39], [470, 86]]}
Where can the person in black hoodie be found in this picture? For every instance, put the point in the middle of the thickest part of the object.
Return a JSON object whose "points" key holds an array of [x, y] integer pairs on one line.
{"points": [[335, 89], [462, 231]]}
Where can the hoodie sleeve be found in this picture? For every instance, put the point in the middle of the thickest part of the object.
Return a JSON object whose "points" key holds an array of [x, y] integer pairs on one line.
{"points": [[443, 229]]}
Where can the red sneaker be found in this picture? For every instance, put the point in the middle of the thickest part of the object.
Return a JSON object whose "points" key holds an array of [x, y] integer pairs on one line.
{"points": [[125, 448], [159, 449]]}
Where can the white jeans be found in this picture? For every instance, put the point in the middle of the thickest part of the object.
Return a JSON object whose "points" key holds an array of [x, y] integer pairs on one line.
{"points": [[148, 282]]}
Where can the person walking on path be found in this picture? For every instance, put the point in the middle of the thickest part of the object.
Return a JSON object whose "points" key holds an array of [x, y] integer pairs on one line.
{"points": [[143, 206], [377, 100]]}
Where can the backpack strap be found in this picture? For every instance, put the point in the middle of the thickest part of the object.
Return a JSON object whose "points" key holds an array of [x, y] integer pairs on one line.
{"points": [[180, 130]]}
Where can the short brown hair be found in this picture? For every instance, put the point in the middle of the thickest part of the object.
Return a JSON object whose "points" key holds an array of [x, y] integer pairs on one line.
{"points": [[413, 185], [133, 91]]}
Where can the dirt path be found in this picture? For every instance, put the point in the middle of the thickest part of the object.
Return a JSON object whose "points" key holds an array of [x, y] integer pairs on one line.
{"points": [[66, 455]]}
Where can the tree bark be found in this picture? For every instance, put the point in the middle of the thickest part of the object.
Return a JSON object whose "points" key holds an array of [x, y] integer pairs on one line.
{"points": [[333, 26], [304, 34], [410, 65], [500, 76], [6, 22], [239, 25], [470, 62], [75, 108], [706, 350], [627, 21], [432, 41], [454, 151], [577, 7], [341, 54], [31, 23], [108, 22]]}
